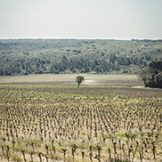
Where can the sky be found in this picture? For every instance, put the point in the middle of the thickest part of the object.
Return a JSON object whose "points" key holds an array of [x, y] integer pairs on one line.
{"points": [[81, 19]]}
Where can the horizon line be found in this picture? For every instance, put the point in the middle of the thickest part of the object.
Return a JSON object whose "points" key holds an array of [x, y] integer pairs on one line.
{"points": [[72, 38]]}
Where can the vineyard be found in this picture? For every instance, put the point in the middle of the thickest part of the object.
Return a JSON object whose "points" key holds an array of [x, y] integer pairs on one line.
{"points": [[47, 123]]}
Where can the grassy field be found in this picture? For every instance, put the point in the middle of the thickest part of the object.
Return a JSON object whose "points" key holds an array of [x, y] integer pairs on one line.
{"points": [[49, 119]]}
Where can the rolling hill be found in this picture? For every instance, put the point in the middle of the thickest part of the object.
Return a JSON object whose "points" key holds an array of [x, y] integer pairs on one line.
{"points": [[36, 56]]}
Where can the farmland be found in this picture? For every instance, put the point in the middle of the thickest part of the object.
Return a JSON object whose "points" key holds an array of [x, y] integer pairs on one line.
{"points": [[109, 118]]}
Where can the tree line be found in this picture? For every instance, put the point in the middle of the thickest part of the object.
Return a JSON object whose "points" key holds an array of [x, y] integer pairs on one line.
{"points": [[79, 64], [25, 57]]}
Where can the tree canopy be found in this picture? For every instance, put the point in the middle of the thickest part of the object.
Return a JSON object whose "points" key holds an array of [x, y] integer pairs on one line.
{"points": [[152, 75], [79, 80]]}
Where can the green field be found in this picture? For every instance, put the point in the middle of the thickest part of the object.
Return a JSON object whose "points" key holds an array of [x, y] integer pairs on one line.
{"points": [[46, 118]]}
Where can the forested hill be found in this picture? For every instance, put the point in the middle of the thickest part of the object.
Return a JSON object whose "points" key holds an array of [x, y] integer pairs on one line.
{"points": [[31, 56]]}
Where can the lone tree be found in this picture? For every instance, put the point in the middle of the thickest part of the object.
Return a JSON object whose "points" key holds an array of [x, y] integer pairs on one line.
{"points": [[79, 80], [152, 75]]}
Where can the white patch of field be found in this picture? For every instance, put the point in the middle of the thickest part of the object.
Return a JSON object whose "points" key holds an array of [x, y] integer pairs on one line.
{"points": [[87, 82]]}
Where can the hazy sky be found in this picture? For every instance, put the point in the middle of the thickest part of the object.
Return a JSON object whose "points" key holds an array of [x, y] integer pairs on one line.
{"points": [[117, 19]]}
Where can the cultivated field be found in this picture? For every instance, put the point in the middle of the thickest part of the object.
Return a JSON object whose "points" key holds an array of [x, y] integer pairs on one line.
{"points": [[107, 119]]}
